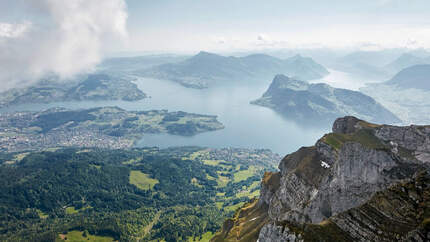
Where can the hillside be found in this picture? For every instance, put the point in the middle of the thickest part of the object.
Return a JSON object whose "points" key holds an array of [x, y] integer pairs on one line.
{"points": [[126, 195], [95, 87], [320, 103], [208, 69], [404, 61], [417, 76], [362, 182], [134, 63], [367, 64]]}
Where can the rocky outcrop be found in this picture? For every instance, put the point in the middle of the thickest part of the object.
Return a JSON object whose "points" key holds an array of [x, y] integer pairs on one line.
{"points": [[399, 213], [349, 185]]}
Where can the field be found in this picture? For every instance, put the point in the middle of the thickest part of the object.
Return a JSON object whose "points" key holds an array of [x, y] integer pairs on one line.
{"points": [[244, 174], [206, 237], [142, 180], [79, 236]]}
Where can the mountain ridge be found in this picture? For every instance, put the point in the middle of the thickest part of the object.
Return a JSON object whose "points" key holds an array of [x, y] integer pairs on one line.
{"points": [[406, 60], [207, 69]]}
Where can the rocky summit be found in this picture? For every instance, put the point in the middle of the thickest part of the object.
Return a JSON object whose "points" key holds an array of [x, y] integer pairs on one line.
{"points": [[362, 182]]}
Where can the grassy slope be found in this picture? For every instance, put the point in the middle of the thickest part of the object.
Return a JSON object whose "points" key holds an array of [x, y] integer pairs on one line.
{"points": [[142, 180], [77, 236]]}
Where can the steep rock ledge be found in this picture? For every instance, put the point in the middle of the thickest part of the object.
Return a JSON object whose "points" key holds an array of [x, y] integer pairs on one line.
{"points": [[320, 186]]}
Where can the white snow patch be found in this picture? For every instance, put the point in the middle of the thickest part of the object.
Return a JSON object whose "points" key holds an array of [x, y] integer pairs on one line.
{"points": [[325, 164], [314, 194]]}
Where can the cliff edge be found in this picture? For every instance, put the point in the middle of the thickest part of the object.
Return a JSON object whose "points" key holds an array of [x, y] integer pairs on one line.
{"points": [[362, 182]]}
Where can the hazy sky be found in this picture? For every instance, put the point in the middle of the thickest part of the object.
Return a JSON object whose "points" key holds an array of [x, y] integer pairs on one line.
{"points": [[241, 24], [67, 37]]}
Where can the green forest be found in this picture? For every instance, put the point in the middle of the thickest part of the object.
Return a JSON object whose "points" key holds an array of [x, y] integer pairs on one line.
{"points": [[143, 194]]}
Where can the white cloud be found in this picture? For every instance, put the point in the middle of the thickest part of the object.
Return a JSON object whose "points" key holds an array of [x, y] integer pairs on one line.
{"points": [[263, 38], [65, 38], [8, 30]]}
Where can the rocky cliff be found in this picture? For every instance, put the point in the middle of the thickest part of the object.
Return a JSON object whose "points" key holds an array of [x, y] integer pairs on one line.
{"points": [[362, 182]]}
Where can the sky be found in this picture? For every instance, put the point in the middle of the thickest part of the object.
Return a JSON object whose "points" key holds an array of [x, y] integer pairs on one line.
{"points": [[190, 25], [68, 37]]}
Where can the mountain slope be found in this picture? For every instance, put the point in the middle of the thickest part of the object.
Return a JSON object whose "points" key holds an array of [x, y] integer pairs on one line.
{"points": [[367, 64], [207, 69], [417, 76], [320, 103], [399, 213], [405, 61], [94, 87], [341, 188], [130, 64]]}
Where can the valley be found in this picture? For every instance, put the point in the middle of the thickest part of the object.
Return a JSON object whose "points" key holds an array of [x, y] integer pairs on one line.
{"points": [[214, 121], [114, 187]]}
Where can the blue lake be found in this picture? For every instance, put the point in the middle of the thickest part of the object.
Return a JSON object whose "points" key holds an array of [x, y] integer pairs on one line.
{"points": [[246, 125]]}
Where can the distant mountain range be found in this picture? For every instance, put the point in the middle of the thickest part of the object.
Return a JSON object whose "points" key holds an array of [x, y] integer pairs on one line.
{"points": [[206, 69], [320, 103], [405, 94], [367, 64], [405, 61], [129, 64], [380, 65]]}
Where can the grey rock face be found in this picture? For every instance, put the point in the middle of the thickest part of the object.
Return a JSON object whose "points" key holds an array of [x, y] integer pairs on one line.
{"points": [[273, 233], [343, 171], [345, 125], [354, 175], [416, 139], [269, 187]]}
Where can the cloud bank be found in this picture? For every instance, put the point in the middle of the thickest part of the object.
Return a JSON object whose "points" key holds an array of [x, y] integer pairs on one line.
{"points": [[62, 38]]}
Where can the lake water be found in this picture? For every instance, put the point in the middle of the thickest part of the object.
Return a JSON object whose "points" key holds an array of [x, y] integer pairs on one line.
{"points": [[246, 125]]}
